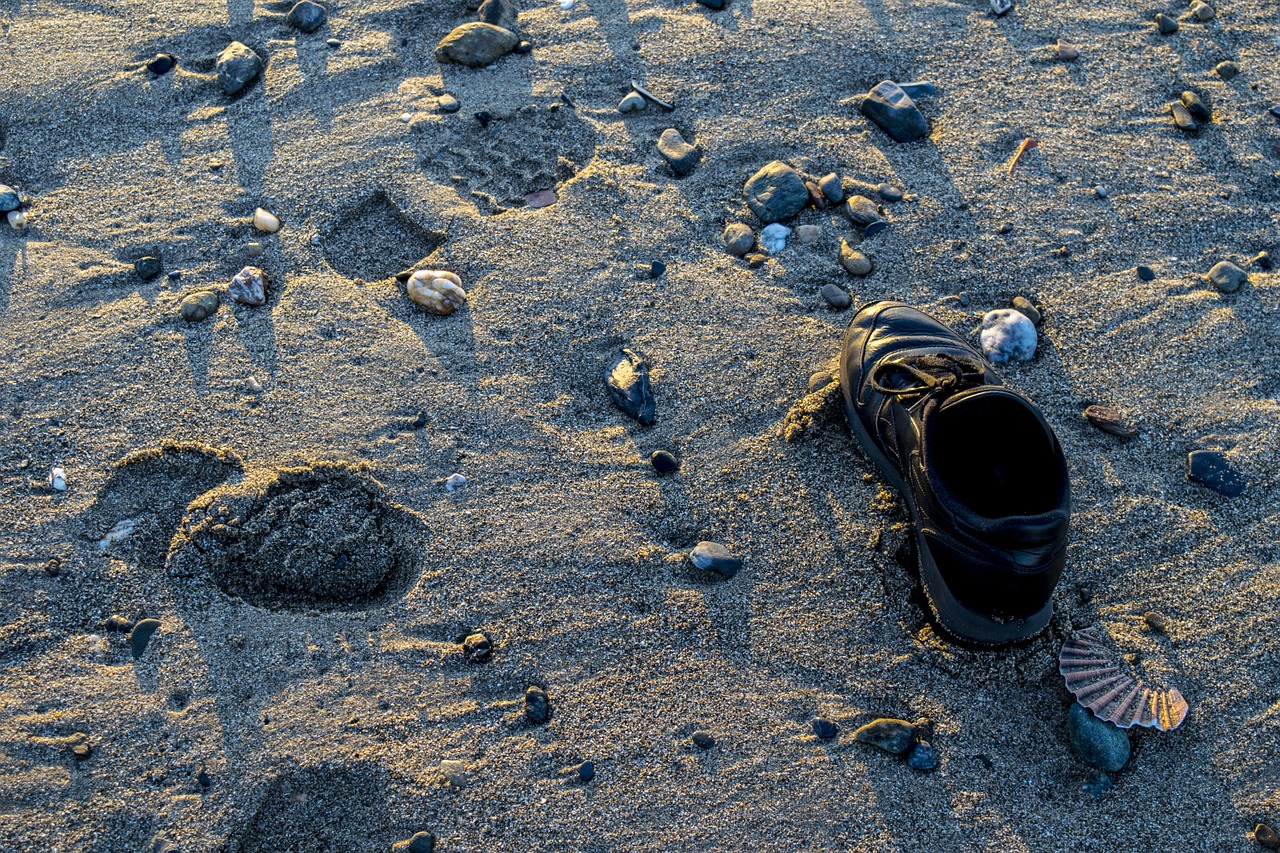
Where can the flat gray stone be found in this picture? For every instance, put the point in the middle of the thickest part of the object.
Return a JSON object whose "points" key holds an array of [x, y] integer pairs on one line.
{"points": [[738, 238], [776, 192], [237, 67], [714, 557], [1227, 277], [500, 13], [476, 45]]}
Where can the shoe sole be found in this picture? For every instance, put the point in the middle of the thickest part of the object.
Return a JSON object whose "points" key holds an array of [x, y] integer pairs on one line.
{"points": [[948, 613]]}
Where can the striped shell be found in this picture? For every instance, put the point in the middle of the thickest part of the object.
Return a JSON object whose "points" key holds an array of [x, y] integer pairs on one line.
{"points": [[1110, 690]]}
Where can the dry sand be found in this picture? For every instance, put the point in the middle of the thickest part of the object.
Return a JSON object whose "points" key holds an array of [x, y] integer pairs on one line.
{"points": [[324, 727]]}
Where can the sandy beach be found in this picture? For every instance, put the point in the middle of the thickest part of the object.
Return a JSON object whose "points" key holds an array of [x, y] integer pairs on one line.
{"points": [[305, 699]]}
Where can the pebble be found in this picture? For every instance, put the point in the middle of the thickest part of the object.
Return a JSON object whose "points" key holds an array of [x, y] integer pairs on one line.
{"points": [[58, 480], [1067, 51], [1109, 421], [204, 779], [807, 235], [1023, 305], [1196, 106], [634, 102], [117, 624], [447, 103], [439, 291], [237, 67], [1203, 11], [1098, 785], [540, 198], [537, 706], [454, 481], [1227, 70], [830, 187], [147, 267], [664, 462], [703, 740], [1182, 119], [862, 210], [265, 221], [1166, 25], [524, 47], [1146, 273], [922, 757], [824, 729], [198, 305], [656, 269], [1001, 7], [875, 228], [476, 45], [738, 238], [1156, 621], [1210, 469], [17, 219], [9, 199], [755, 260], [776, 192], [249, 287], [1100, 191], [1098, 743], [714, 557], [1266, 836], [894, 112], [1227, 277], [82, 750], [835, 296], [628, 381], [889, 192], [773, 238], [500, 13], [1007, 335], [891, 735], [161, 63], [253, 386], [819, 379], [419, 842], [333, 43], [141, 635], [586, 772], [308, 16], [640, 90], [477, 647], [680, 155], [853, 261], [1262, 261], [455, 773]]}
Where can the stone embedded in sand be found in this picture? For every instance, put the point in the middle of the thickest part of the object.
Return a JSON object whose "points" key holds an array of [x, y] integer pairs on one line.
{"points": [[714, 557], [634, 102], [1196, 106], [738, 238], [237, 66], [1227, 70], [1007, 335], [891, 735], [198, 305], [161, 63], [776, 192], [537, 705], [1227, 277], [628, 381], [249, 287], [837, 297], [773, 237], [1266, 837], [922, 756], [476, 45], [308, 16], [1001, 7], [853, 261], [680, 155], [1109, 421], [1067, 51], [586, 771], [1203, 11], [477, 647], [893, 110], [9, 199], [420, 842], [1210, 469], [1024, 306], [265, 221], [831, 187], [824, 729], [1098, 743], [141, 636], [664, 462], [439, 291], [861, 210], [1182, 119], [1166, 25], [500, 13], [540, 198], [58, 480], [703, 740], [147, 267], [889, 192], [807, 235]]}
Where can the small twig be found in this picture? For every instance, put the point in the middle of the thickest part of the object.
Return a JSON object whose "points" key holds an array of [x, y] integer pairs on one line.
{"points": [[1029, 142], [649, 96]]}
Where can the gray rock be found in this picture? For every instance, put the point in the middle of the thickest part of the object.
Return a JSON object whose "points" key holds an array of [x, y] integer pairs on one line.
{"points": [[1227, 277], [8, 199], [703, 740], [1023, 305], [664, 462], [893, 110], [889, 192], [875, 228], [861, 210], [680, 155], [147, 267], [1227, 70], [447, 103], [919, 89], [141, 636], [537, 705], [1203, 11], [1210, 469], [634, 102], [714, 557], [476, 45], [1001, 7], [1196, 106], [237, 67], [714, 5], [853, 261], [421, 842], [586, 772], [824, 729], [831, 187], [198, 306], [776, 192], [896, 736], [835, 296], [923, 756], [1098, 743], [500, 13], [308, 16], [1182, 119], [628, 383], [1166, 25], [738, 238], [1262, 261]]}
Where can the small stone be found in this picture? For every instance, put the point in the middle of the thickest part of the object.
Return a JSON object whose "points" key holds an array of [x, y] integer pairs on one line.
{"points": [[82, 750], [830, 187], [1166, 25], [1262, 261], [1067, 51], [835, 296], [714, 5], [537, 706], [9, 199], [807, 235], [500, 13], [862, 210], [1023, 305], [680, 155], [894, 112], [265, 221], [1210, 469], [476, 45], [703, 740], [664, 462], [755, 260], [237, 67], [147, 267], [656, 269], [634, 102], [819, 379], [889, 192], [1100, 191], [776, 192], [738, 238], [58, 480], [454, 481], [524, 47], [875, 228], [1146, 273], [198, 305], [540, 198], [1109, 421], [773, 238], [477, 647], [1005, 228], [308, 16], [922, 757], [1203, 11], [438, 291], [1098, 785], [1007, 335], [853, 261], [628, 381], [1001, 7], [249, 287], [824, 729], [455, 773], [1196, 106], [117, 624], [1182, 119], [419, 842], [1098, 743], [891, 735], [141, 635], [17, 219], [161, 63], [714, 557], [1227, 70], [333, 43], [1156, 621], [1227, 277], [816, 198], [253, 386], [447, 103], [586, 772], [203, 779], [1266, 836]]}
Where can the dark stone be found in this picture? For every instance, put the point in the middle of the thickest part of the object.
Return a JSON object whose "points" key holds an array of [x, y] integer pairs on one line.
{"points": [[1227, 277], [586, 772], [1146, 273], [892, 109], [1098, 785], [141, 635], [1182, 119], [204, 779], [896, 736], [1262, 261], [714, 557], [776, 192], [524, 47], [237, 67], [500, 13], [1227, 70], [308, 16], [1166, 25], [484, 118], [1266, 836], [875, 228], [714, 5], [477, 647], [1196, 106], [923, 757], [476, 45], [889, 192], [420, 842], [824, 729], [174, 275], [9, 199], [862, 210], [162, 63], [147, 267], [836, 296], [664, 462], [1210, 469], [1156, 621], [703, 740], [1099, 744], [118, 625], [656, 269], [628, 381], [537, 706], [680, 155], [419, 422], [1023, 306]]}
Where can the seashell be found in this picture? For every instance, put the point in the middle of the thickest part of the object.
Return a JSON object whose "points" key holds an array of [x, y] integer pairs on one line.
{"points": [[253, 385], [454, 481], [118, 532], [249, 286], [264, 221], [1108, 420], [17, 219], [1110, 690], [58, 480], [439, 291]]}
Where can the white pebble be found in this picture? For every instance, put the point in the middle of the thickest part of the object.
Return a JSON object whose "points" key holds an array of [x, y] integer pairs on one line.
{"points": [[254, 386], [773, 238], [264, 221], [1007, 335], [58, 480], [566, 4], [17, 219], [454, 481], [119, 531], [1101, 191], [406, 117], [439, 291]]}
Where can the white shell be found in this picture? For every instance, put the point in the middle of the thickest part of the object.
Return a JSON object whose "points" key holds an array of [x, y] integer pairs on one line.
{"points": [[439, 291], [119, 531], [58, 480], [454, 481], [1111, 691], [17, 219], [264, 221]]}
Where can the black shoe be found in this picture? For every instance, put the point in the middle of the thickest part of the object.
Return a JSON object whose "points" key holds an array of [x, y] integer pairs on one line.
{"points": [[981, 470]]}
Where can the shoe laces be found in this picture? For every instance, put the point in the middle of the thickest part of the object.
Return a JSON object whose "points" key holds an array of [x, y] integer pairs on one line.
{"points": [[935, 374]]}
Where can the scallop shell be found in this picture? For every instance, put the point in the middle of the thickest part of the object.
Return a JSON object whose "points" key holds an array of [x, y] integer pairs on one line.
{"points": [[1110, 690]]}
